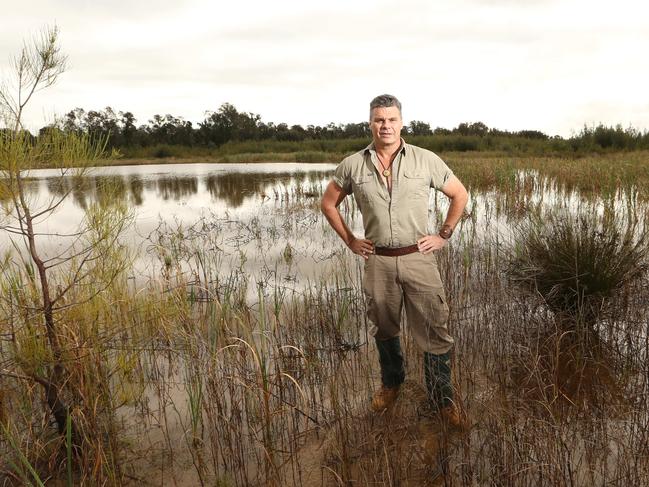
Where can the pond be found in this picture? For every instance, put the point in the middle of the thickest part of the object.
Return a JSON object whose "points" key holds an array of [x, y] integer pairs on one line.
{"points": [[258, 213], [262, 218]]}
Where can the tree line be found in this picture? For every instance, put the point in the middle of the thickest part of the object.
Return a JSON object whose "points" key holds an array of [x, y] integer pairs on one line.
{"points": [[227, 124]]}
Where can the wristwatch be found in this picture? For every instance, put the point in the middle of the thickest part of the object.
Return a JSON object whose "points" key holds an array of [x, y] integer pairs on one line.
{"points": [[445, 232]]}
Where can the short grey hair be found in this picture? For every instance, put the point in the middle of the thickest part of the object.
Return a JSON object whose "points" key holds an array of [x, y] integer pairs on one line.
{"points": [[384, 101]]}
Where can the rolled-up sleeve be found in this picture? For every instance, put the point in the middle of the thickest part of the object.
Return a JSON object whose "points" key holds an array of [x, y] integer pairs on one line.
{"points": [[342, 176], [439, 172]]}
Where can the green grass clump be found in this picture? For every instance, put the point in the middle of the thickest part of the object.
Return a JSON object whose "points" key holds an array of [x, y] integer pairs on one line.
{"points": [[579, 262], [583, 266]]}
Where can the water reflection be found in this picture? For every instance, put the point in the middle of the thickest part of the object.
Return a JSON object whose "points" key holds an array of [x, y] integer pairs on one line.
{"points": [[176, 188], [31, 186], [86, 189], [233, 188], [174, 194], [136, 188], [260, 218], [139, 188]]}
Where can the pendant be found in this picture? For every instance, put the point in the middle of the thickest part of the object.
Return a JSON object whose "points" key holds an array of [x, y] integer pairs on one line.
{"points": [[386, 173]]}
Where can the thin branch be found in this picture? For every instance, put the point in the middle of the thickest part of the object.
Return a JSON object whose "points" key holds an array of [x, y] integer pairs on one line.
{"points": [[51, 207], [50, 67]]}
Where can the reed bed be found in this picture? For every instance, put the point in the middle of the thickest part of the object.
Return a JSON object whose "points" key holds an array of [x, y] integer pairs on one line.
{"points": [[210, 374]]}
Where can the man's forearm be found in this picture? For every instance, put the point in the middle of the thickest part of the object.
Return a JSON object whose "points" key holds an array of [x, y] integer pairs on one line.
{"points": [[455, 210]]}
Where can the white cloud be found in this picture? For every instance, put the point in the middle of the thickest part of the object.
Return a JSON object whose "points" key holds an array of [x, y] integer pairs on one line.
{"points": [[548, 65]]}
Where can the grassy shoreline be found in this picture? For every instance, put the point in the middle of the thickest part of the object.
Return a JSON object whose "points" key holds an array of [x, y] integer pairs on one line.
{"points": [[335, 157], [226, 159]]}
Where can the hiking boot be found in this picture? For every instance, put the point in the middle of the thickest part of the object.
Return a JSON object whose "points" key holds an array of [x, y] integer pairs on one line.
{"points": [[384, 398], [454, 417]]}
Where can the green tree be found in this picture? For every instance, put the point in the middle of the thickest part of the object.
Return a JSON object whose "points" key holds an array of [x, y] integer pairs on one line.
{"points": [[475, 128], [417, 127], [229, 124], [168, 129], [357, 130], [36, 285], [128, 128]]}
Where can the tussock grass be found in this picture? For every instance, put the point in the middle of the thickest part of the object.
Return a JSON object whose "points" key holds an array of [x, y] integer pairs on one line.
{"points": [[579, 262], [578, 265]]}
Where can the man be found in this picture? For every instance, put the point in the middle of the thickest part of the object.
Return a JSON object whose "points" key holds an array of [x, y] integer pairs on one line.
{"points": [[391, 182]]}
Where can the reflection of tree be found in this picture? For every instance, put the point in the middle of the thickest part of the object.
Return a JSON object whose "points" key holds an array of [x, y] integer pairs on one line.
{"points": [[58, 186], [177, 187], [137, 188], [232, 187], [235, 186], [110, 189], [31, 187], [79, 187], [88, 189], [318, 176]]}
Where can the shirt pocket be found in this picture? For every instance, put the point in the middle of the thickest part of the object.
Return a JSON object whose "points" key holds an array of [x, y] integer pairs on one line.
{"points": [[362, 187], [416, 185]]}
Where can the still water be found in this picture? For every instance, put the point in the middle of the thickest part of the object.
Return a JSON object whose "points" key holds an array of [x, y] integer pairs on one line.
{"points": [[256, 221], [247, 212]]}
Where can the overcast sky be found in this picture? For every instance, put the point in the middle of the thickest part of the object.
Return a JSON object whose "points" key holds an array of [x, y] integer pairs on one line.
{"points": [[549, 65]]}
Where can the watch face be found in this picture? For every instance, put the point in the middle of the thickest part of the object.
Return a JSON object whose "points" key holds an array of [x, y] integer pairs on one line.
{"points": [[445, 232]]}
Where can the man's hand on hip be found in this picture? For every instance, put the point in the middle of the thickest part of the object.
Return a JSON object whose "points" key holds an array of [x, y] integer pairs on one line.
{"points": [[362, 247], [429, 243]]}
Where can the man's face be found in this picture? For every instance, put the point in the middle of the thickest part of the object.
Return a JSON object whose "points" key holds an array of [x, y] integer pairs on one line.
{"points": [[386, 126]]}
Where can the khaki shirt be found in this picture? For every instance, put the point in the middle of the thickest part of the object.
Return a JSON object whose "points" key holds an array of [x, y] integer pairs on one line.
{"points": [[399, 218]]}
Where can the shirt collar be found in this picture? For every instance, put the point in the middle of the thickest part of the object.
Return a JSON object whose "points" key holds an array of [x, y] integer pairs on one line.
{"points": [[371, 148]]}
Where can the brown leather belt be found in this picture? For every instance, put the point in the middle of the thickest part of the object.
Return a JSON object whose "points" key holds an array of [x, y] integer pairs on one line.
{"points": [[397, 252]]}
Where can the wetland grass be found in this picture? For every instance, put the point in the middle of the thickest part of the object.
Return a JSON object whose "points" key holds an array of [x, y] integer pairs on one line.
{"points": [[208, 374]]}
